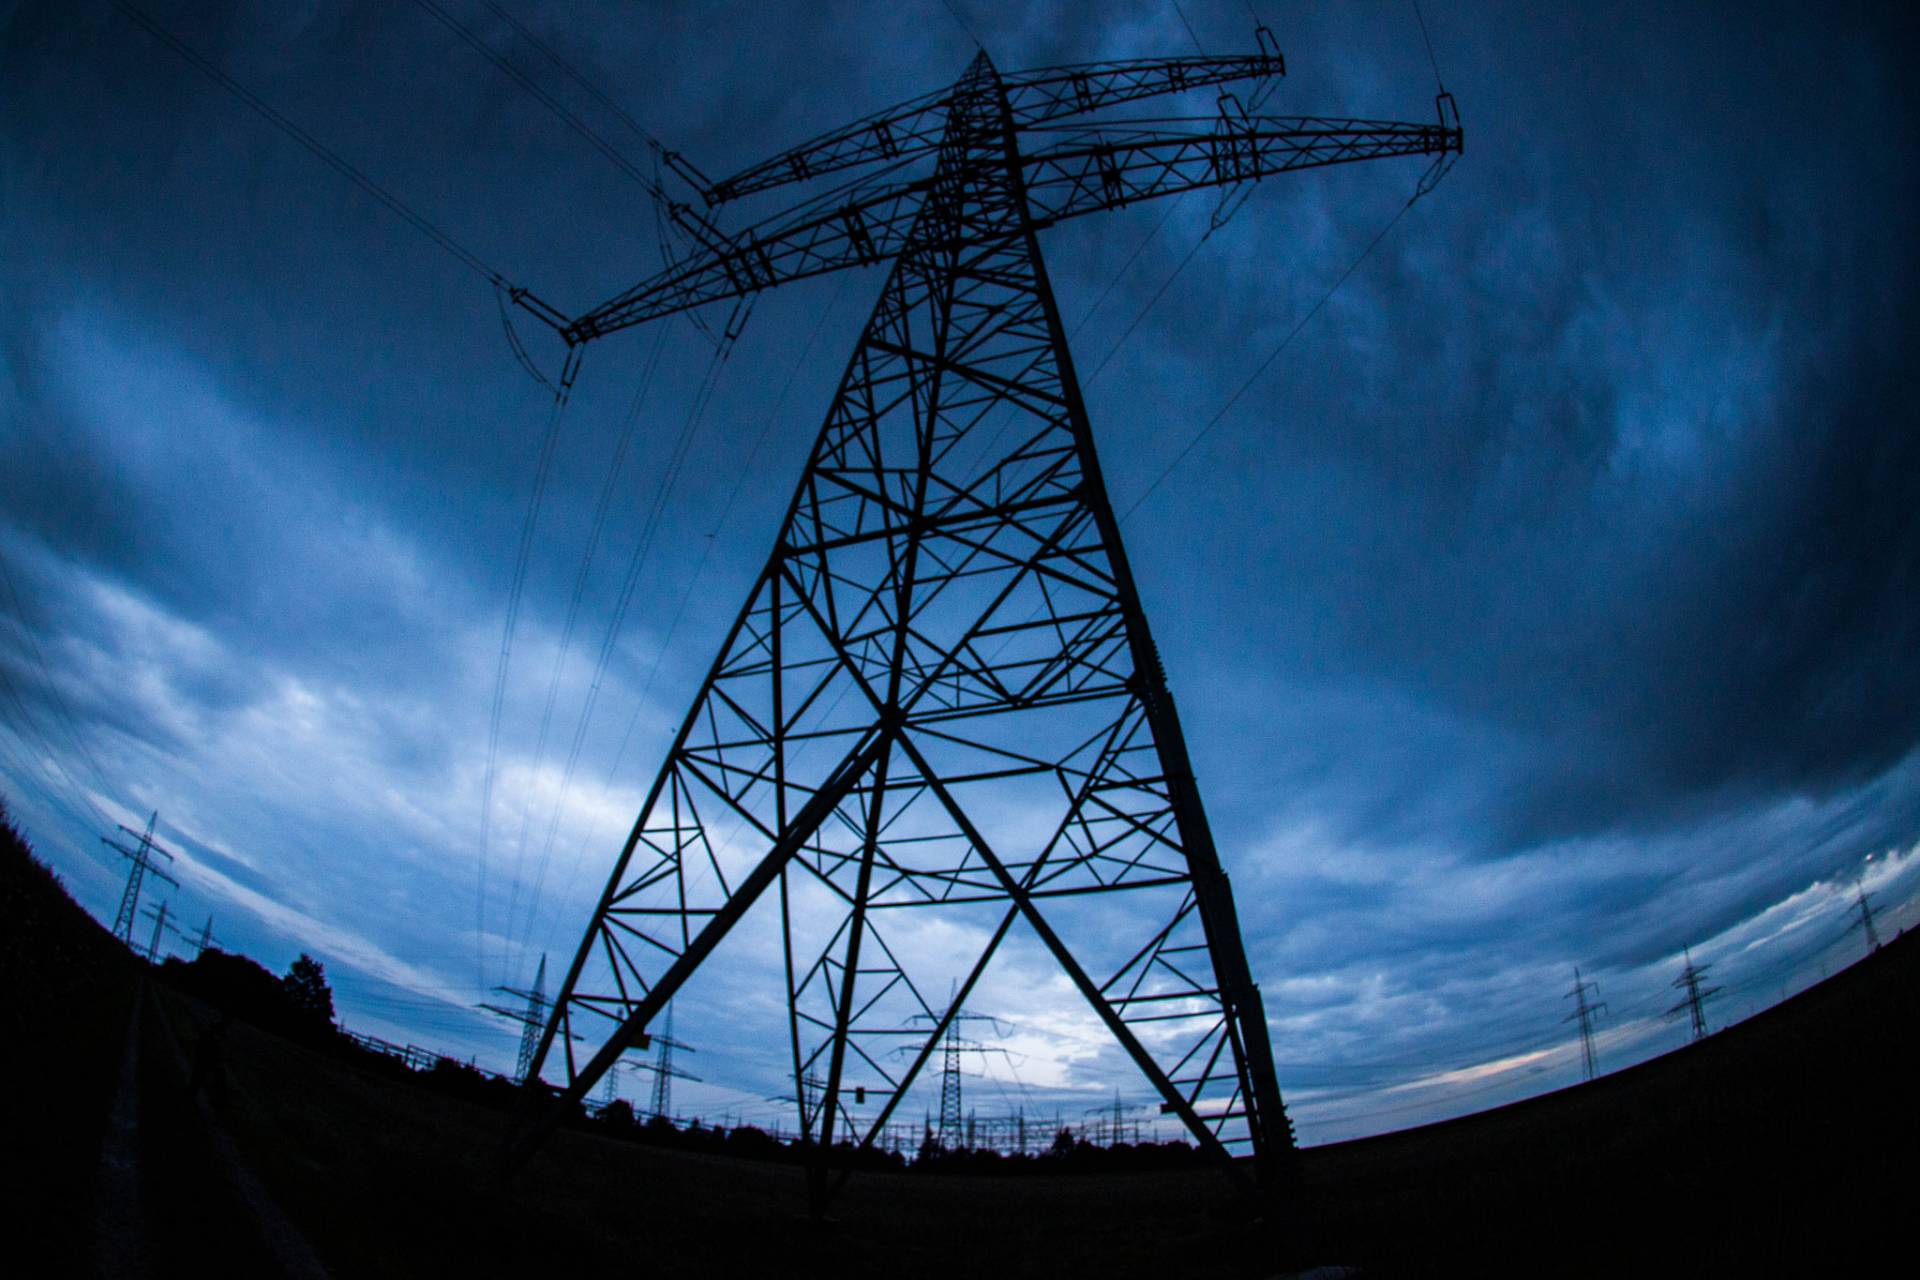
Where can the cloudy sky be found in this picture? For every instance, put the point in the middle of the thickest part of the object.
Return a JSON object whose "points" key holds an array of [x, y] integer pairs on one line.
{"points": [[1551, 601]]}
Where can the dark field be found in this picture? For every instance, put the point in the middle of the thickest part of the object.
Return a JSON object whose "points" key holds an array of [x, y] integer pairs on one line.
{"points": [[1779, 1146]]}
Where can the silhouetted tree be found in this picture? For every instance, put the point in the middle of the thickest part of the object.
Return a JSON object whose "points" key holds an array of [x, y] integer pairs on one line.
{"points": [[306, 986]]}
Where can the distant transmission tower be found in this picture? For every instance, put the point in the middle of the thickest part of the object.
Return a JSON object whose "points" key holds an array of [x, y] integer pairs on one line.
{"points": [[1585, 1011], [610, 1084], [143, 865], [159, 917], [530, 1032], [948, 1136], [1694, 1003], [947, 626], [203, 941], [1112, 1118], [532, 1017], [664, 1072], [952, 1135], [1865, 922]]}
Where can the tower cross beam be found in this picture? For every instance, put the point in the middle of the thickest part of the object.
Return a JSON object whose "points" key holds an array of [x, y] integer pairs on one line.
{"points": [[141, 865], [1092, 171], [914, 128], [942, 689]]}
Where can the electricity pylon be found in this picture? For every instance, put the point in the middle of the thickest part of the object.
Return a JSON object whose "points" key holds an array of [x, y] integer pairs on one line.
{"points": [[952, 1108], [951, 1135], [203, 941], [142, 866], [1694, 1003], [532, 1017], [1865, 922], [664, 1072], [1585, 1012], [159, 917], [941, 697]]}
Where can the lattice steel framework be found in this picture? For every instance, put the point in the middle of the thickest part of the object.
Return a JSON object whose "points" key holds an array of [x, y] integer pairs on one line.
{"points": [[942, 694], [141, 864]]}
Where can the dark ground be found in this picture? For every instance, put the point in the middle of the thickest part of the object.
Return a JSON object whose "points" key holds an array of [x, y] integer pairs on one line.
{"points": [[1779, 1146]]}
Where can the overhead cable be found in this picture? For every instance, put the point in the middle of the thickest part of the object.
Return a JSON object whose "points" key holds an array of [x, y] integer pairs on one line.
{"points": [[325, 154]]}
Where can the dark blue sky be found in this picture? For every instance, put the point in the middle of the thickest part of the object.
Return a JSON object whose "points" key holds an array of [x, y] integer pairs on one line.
{"points": [[1552, 601]]}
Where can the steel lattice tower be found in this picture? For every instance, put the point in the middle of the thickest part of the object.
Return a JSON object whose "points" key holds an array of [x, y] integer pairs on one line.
{"points": [[141, 865], [536, 1017], [1865, 922], [1693, 1002], [942, 695], [532, 1017], [948, 1135], [1584, 1012]]}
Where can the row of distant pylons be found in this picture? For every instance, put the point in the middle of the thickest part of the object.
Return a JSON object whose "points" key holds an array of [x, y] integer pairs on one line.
{"points": [[533, 1013], [532, 1016], [1691, 983], [141, 857]]}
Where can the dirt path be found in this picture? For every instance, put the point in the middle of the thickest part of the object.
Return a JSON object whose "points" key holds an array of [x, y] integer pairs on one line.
{"points": [[173, 1194]]}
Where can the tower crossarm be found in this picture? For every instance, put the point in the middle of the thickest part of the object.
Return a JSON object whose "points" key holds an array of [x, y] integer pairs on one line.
{"points": [[150, 867], [1090, 170], [914, 128], [1078, 171]]}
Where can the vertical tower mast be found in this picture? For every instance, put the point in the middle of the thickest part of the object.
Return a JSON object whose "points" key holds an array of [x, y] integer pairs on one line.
{"points": [[939, 725], [141, 865], [1584, 1012]]}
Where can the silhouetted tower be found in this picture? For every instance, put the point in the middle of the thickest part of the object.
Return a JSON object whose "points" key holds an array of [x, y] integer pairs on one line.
{"points": [[664, 1072], [535, 1016], [532, 1017], [159, 917], [203, 941], [1865, 923], [954, 1133], [1113, 1119], [1585, 1012], [143, 865], [610, 1084], [949, 1134], [947, 627], [1694, 1003]]}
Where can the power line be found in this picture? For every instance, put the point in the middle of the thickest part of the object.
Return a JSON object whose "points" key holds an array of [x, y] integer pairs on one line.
{"points": [[1267, 363], [53, 688], [1189, 26], [670, 477], [965, 26], [319, 150], [1432, 61], [62, 791], [686, 595], [568, 70], [601, 508], [1425, 186], [1142, 313], [545, 99], [515, 593], [1124, 268]]}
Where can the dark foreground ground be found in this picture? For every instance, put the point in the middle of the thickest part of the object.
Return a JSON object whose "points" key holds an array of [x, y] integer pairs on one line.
{"points": [[1781, 1146]]}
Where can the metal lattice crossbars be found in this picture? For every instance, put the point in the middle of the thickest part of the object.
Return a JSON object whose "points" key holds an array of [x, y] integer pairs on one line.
{"points": [[942, 694]]}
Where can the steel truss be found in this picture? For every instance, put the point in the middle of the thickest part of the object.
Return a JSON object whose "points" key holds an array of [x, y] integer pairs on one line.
{"points": [[942, 694]]}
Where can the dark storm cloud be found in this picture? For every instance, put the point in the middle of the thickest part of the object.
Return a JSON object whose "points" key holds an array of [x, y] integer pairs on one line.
{"points": [[1621, 472], [1553, 598]]}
